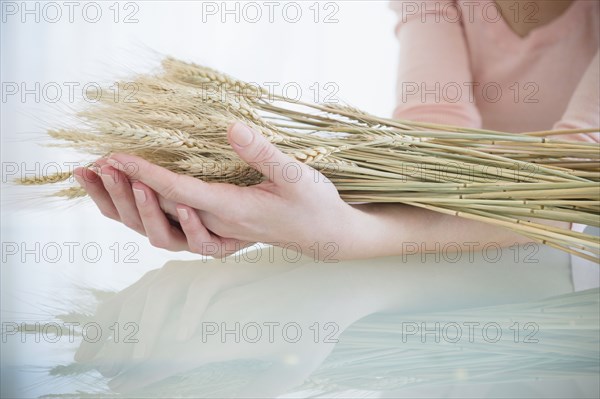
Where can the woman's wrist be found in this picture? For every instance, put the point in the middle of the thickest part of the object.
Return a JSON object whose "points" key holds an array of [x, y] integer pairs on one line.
{"points": [[365, 231]]}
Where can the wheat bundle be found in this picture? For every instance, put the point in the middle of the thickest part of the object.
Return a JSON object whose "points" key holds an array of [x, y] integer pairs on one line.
{"points": [[178, 119]]}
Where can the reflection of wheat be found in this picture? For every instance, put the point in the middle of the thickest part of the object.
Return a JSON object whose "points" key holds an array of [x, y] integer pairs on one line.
{"points": [[178, 119], [553, 338]]}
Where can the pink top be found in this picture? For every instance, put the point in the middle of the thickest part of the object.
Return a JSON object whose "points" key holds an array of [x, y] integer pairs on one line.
{"points": [[461, 64]]}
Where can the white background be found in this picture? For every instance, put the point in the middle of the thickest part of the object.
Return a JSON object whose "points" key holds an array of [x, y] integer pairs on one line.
{"points": [[356, 52]]}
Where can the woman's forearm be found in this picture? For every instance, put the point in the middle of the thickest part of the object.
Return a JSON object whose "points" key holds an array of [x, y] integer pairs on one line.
{"points": [[396, 229]]}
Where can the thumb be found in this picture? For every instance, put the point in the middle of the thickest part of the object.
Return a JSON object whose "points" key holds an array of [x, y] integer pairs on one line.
{"points": [[263, 156]]}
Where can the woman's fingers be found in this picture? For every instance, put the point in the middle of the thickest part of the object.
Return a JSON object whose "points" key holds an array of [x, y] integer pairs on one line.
{"points": [[119, 189], [93, 185], [281, 169], [138, 207], [201, 240], [173, 186], [112, 192], [155, 223]]}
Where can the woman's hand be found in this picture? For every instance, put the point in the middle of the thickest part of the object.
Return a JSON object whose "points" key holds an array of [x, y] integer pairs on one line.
{"points": [[296, 206], [114, 195]]}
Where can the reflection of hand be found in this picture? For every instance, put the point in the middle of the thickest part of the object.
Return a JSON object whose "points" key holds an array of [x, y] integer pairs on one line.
{"points": [[292, 319], [323, 292], [184, 285]]}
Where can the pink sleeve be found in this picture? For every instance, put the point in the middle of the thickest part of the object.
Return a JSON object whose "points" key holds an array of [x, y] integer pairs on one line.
{"points": [[583, 111], [433, 65]]}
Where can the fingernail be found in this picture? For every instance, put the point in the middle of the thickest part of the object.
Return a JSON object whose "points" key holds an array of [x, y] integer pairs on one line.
{"points": [[115, 164], [95, 169], [80, 180], [108, 178], [140, 195], [183, 214], [241, 134]]}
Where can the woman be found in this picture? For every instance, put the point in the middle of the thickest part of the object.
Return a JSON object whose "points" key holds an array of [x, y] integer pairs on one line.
{"points": [[531, 66], [511, 66]]}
